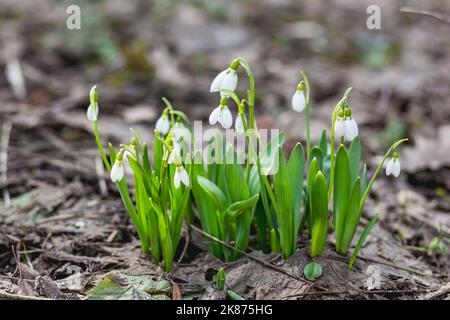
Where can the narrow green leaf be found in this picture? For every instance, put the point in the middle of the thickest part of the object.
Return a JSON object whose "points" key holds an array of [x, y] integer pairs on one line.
{"points": [[145, 158], [364, 180], [316, 152], [354, 154], [275, 245], [235, 182], [234, 210], [352, 218], [233, 295], [283, 195], [214, 191], [319, 216], [323, 143], [361, 240], [313, 170], [206, 209], [341, 193], [295, 171], [158, 152]]}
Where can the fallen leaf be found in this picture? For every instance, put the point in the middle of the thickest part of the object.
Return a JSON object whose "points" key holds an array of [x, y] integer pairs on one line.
{"points": [[119, 286], [176, 292]]}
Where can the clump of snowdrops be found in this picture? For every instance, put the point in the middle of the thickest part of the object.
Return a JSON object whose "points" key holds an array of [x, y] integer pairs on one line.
{"points": [[296, 195]]}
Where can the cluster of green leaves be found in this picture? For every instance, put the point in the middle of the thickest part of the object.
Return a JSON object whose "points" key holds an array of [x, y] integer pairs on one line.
{"points": [[159, 208], [225, 198], [230, 197]]}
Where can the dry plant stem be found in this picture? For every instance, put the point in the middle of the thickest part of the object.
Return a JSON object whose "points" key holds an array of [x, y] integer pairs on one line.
{"points": [[6, 132], [264, 263], [431, 14], [9, 296], [186, 244], [321, 293]]}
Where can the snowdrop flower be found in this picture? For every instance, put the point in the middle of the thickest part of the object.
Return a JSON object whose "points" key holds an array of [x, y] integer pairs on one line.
{"points": [[339, 125], [180, 131], [92, 111], [175, 152], [222, 115], [239, 125], [393, 166], [227, 79], [298, 99], [163, 124], [117, 169], [346, 126], [180, 175]]}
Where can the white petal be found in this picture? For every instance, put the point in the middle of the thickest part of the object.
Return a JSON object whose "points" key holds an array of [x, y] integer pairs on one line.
{"points": [[339, 128], [298, 101], [163, 124], [396, 168], [92, 113], [176, 179], [355, 128], [214, 117], [389, 167], [238, 125], [226, 118], [171, 158], [117, 171], [184, 177], [229, 80], [217, 82], [350, 129]]}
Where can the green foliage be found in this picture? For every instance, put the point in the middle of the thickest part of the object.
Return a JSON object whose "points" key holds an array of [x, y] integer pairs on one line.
{"points": [[312, 271], [226, 203], [120, 286], [220, 279], [268, 191]]}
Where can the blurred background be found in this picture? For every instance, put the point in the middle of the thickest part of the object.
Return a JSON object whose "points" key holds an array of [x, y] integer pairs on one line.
{"points": [[139, 51]]}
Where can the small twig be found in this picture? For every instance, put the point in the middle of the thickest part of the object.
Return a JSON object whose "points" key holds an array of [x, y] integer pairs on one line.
{"points": [[320, 293], [398, 267], [434, 15], [439, 292], [261, 261], [9, 296], [186, 243], [6, 132]]}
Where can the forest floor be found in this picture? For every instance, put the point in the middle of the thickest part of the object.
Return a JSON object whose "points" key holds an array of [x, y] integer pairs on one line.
{"points": [[63, 228]]}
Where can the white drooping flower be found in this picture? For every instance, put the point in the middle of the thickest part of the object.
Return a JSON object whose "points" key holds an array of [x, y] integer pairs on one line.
{"points": [[339, 127], [117, 169], [175, 152], [350, 129], [227, 79], [180, 132], [393, 166], [239, 125], [92, 111], [163, 124], [346, 126], [222, 115], [180, 175], [298, 99]]}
